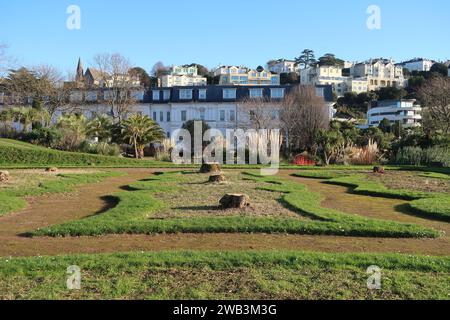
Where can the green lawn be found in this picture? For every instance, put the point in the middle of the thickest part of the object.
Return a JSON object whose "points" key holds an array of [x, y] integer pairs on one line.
{"points": [[11, 198], [138, 206], [431, 205], [226, 275]]}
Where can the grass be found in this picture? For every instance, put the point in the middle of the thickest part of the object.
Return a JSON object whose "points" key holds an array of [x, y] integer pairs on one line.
{"points": [[427, 204], [438, 208], [11, 198], [226, 275], [435, 175], [17, 154], [137, 208]]}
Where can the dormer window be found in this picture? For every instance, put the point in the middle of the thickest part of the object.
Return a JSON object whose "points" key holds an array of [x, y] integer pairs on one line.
{"points": [[229, 94], [202, 94], [185, 94], [256, 93], [156, 95], [277, 93]]}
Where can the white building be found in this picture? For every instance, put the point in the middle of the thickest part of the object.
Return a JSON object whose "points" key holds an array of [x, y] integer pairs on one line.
{"points": [[407, 112], [379, 73], [182, 81], [332, 75], [418, 64], [182, 76], [282, 66]]}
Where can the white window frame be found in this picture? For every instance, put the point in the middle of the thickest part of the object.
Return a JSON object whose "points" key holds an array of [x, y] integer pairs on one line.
{"points": [[166, 94], [277, 91], [229, 94], [256, 93], [185, 94], [156, 95], [202, 94]]}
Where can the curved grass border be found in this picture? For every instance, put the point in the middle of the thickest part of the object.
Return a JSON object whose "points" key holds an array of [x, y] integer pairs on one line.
{"points": [[135, 208], [426, 204], [11, 200], [162, 276]]}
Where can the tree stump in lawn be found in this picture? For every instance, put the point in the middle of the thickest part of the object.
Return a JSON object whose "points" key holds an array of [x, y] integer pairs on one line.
{"points": [[51, 170], [235, 201], [378, 170], [209, 168], [4, 176], [217, 178]]}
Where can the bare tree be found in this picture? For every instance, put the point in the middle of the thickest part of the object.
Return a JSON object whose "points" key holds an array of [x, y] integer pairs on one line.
{"points": [[302, 115], [259, 113], [435, 97], [159, 69], [118, 83]]}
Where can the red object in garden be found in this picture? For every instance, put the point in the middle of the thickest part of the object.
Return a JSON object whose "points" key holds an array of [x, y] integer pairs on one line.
{"points": [[301, 160]]}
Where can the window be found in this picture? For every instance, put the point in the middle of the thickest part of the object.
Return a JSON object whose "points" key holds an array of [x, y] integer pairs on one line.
{"points": [[186, 94], [277, 93], [202, 94], [154, 116], [275, 80], [183, 115], [168, 116], [256, 93], [166, 94], [161, 116], [229, 93], [202, 114], [156, 95], [222, 115], [232, 115]]}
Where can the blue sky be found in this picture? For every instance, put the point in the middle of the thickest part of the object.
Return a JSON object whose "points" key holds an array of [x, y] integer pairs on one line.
{"points": [[248, 32]]}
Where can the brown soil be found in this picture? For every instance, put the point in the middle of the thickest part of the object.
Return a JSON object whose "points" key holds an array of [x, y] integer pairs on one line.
{"points": [[90, 199]]}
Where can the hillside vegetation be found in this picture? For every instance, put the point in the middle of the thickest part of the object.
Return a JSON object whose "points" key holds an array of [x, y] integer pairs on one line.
{"points": [[20, 154]]}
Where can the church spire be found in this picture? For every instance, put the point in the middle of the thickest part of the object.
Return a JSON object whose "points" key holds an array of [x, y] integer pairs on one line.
{"points": [[80, 71]]}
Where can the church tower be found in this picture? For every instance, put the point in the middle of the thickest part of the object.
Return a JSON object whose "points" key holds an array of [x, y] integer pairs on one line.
{"points": [[80, 72]]}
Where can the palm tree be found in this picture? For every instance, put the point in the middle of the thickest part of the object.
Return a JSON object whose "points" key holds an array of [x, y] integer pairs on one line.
{"points": [[140, 130], [100, 127], [27, 116], [6, 118], [73, 130]]}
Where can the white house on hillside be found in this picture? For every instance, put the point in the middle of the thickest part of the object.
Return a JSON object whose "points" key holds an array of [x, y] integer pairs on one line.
{"points": [[407, 112]]}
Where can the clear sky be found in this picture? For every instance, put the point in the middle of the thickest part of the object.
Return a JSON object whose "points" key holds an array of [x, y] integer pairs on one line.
{"points": [[212, 32]]}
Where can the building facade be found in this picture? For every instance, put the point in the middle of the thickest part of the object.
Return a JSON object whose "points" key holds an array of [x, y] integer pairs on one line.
{"points": [[182, 76], [379, 73], [242, 76], [332, 75], [418, 64], [282, 66], [406, 112]]}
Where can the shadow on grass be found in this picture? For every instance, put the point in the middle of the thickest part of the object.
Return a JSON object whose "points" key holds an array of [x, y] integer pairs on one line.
{"points": [[407, 209], [302, 213]]}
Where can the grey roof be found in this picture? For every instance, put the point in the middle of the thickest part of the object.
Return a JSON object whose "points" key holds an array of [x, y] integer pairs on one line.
{"points": [[215, 93]]}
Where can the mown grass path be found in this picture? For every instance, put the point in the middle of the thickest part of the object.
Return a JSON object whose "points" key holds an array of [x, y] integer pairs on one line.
{"points": [[92, 199]]}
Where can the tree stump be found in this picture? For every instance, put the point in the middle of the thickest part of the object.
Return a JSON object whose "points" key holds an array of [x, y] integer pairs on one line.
{"points": [[4, 176], [235, 201], [378, 170], [209, 168], [52, 170], [217, 178]]}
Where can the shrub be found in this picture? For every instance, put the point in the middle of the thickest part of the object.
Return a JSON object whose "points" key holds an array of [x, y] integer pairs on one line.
{"points": [[409, 156], [439, 155], [101, 148], [47, 137], [416, 156]]}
